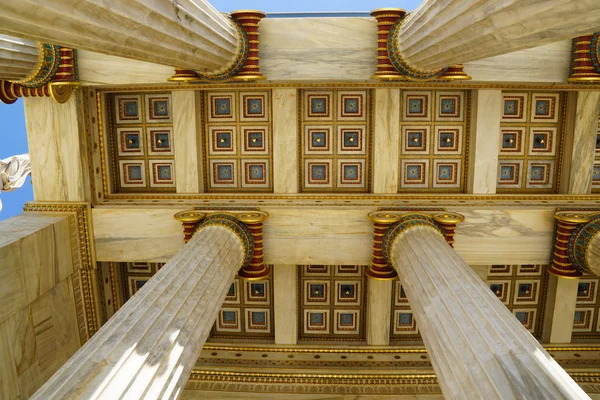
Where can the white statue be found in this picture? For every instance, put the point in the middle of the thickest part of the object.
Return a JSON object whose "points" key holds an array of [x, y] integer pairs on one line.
{"points": [[13, 172]]}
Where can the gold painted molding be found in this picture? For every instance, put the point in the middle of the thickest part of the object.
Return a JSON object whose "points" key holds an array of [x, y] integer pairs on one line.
{"points": [[334, 383], [84, 279], [354, 84], [364, 350]]}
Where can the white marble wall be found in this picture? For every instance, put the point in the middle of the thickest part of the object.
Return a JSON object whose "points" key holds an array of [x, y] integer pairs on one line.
{"points": [[318, 48], [583, 147], [328, 235], [485, 144], [187, 142], [38, 323], [379, 314], [285, 140], [58, 156], [560, 310], [285, 278], [386, 141]]}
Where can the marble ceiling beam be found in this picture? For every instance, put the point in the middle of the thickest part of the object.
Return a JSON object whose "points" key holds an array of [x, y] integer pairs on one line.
{"points": [[580, 142], [18, 58], [187, 33], [446, 32], [296, 234]]}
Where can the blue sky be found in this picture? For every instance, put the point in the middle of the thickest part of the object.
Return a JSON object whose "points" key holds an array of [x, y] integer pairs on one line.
{"points": [[13, 137], [13, 141]]}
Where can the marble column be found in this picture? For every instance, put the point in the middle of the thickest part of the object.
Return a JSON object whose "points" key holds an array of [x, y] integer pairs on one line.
{"points": [[486, 141], [379, 313], [285, 307], [18, 58], [186, 34], [560, 309], [580, 146], [442, 33], [285, 141], [148, 348], [187, 141], [386, 140], [478, 349]]}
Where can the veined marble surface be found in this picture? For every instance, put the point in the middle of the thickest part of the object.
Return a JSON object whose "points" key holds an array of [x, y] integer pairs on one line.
{"points": [[285, 279], [318, 48], [57, 154], [38, 323], [505, 236], [379, 312], [285, 140], [386, 140], [484, 167], [332, 236], [584, 142], [561, 301], [187, 142]]}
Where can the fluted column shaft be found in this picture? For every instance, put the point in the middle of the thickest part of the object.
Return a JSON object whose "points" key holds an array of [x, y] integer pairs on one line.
{"points": [[446, 32], [184, 33], [18, 58], [148, 348], [593, 255], [478, 349]]}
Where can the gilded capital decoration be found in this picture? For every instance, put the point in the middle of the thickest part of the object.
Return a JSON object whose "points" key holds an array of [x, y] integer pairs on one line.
{"points": [[56, 76], [448, 222], [246, 65], [579, 243], [388, 225], [248, 227], [189, 220], [379, 268], [562, 257], [585, 56], [390, 63]]}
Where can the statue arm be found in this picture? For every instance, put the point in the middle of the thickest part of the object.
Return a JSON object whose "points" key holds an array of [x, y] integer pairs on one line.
{"points": [[14, 171]]}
